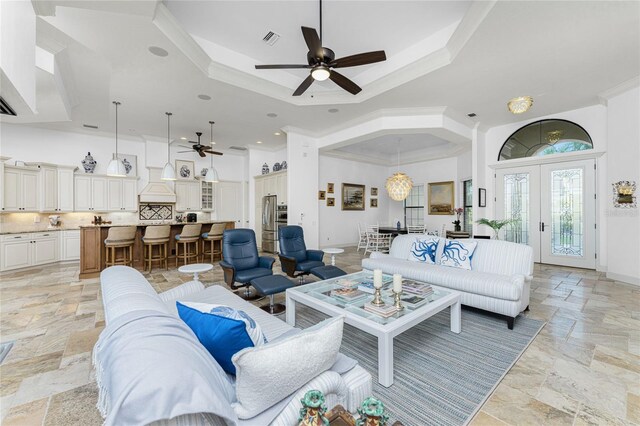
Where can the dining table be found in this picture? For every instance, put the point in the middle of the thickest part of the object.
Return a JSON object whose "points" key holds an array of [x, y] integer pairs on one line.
{"points": [[392, 230]]}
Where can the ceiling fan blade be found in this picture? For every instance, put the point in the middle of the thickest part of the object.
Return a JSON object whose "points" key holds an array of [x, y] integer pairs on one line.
{"points": [[212, 152], [202, 154], [313, 41], [304, 86], [359, 59], [344, 82], [185, 151], [279, 67], [184, 146]]}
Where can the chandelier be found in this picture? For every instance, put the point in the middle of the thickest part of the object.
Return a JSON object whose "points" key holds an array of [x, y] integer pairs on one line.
{"points": [[554, 136], [399, 184], [520, 104]]}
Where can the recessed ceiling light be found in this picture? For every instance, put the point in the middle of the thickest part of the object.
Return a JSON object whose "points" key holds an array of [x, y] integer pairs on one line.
{"points": [[471, 114], [520, 104], [204, 97], [272, 115], [333, 110], [277, 133], [258, 141], [158, 51], [183, 138]]}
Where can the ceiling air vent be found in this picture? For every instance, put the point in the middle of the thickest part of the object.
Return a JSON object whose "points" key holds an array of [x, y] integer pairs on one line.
{"points": [[5, 108], [238, 148], [271, 38], [90, 126]]}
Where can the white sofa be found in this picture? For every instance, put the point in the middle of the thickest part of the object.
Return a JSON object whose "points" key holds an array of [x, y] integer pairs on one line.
{"points": [[499, 279], [128, 297]]}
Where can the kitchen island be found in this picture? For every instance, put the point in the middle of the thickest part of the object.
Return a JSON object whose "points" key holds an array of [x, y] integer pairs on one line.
{"points": [[93, 252]]}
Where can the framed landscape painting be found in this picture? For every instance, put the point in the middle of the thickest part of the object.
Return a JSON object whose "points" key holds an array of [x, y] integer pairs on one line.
{"points": [[352, 196], [441, 198]]}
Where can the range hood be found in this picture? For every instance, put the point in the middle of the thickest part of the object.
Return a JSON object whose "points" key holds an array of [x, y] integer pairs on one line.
{"points": [[157, 191]]}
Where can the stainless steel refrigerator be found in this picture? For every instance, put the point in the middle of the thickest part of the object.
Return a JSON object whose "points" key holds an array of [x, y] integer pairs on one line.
{"points": [[269, 225]]}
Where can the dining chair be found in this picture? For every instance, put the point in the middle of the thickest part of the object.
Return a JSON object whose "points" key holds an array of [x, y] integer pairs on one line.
{"points": [[416, 229], [362, 237]]}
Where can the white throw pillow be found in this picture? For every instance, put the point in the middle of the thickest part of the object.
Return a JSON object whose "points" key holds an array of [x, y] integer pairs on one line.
{"points": [[424, 249], [269, 373], [457, 253]]}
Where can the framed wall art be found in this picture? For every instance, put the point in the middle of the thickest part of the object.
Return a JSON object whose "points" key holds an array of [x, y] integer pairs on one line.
{"points": [[322, 195], [373, 202], [185, 169], [441, 198], [330, 188], [482, 197], [352, 196], [130, 163], [374, 192], [331, 202], [624, 194]]}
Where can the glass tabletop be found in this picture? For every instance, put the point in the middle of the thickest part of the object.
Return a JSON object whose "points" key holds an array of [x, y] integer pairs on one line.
{"points": [[352, 292]]}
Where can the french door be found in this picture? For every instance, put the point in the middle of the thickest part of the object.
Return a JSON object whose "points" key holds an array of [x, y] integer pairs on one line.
{"points": [[553, 210]]}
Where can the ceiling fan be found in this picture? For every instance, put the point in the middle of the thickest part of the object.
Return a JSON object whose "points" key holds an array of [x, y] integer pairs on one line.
{"points": [[321, 60], [202, 150]]}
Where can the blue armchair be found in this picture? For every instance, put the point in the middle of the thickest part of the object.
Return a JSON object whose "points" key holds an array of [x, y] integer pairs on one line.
{"points": [[295, 259], [241, 262]]}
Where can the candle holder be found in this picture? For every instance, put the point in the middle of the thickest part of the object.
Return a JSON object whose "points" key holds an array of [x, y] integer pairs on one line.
{"points": [[377, 298], [397, 302]]}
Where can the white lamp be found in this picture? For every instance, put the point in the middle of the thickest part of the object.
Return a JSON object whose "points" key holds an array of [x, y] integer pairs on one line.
{"points": [[399, 184], [212, 173], [116, 167], [168, 172]]}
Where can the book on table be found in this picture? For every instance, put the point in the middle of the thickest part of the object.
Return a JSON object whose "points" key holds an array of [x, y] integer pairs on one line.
{"points": [[384, 310], [413, 287], [368, 287], [345, 282], [414, 301], [348, 295]]}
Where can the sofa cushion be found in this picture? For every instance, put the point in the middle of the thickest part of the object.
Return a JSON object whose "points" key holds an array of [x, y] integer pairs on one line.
{"points": [[424, 249], [457, 253], [222, 330], [486, 284], [289, 363]]}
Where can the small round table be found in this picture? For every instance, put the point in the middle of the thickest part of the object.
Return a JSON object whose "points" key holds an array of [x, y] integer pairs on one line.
{"points": [[195, 269], [333, 252]]}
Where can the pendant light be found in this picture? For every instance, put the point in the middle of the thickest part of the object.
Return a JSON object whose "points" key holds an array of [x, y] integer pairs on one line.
{"points": [[116, 167], [399, 185], [212, 173], [168, 172]]}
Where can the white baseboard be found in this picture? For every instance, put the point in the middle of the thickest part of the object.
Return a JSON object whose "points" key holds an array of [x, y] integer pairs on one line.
{"points": [[322, 246], [624, 278]]}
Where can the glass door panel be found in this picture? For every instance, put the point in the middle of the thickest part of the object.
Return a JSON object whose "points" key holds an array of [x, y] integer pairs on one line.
{"points": [[568, 214]]}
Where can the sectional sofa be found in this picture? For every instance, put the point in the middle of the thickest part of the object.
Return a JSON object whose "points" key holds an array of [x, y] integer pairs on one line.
{"points": [[151, 369], [499, 279]]}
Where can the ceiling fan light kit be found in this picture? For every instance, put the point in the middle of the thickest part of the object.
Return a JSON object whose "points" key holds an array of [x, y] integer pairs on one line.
{"points": [[116, 167], [168, 172], [321, 61]]}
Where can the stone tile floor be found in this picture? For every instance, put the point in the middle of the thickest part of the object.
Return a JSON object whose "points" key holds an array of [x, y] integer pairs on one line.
{"points": [[583, 368]]}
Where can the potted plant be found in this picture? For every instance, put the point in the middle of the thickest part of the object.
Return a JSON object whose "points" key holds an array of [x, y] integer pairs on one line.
{"points": [[496, 225], [456, 222]]}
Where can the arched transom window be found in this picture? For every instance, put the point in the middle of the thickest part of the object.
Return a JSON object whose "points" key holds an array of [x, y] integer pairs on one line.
{"points": [[545, 137]]}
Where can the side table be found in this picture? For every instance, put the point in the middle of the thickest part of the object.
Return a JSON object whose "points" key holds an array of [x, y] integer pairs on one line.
{"points": [[333, 252], [195, 269]]}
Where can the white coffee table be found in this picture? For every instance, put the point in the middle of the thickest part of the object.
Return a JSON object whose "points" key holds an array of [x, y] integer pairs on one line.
{"points": [[333, 252], [385, 329], [195, 269]]}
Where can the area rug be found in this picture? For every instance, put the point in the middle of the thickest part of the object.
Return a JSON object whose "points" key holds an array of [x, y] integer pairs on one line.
{"points": [[440, 378]]}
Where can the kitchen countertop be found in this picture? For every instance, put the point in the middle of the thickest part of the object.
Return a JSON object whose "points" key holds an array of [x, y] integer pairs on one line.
{"points": [[31, 231], [77, 227]]}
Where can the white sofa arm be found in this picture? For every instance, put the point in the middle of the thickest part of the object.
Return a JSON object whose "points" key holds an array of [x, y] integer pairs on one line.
{"points": [[329, 383], [181, 291]]}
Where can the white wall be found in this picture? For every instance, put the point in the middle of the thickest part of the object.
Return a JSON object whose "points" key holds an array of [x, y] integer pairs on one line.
{"points": [[340, 228], [623, 163], [302, 185], [442, 170]]}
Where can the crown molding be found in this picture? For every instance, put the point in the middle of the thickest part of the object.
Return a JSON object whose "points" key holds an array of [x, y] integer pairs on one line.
{"points": [[603, 97]]}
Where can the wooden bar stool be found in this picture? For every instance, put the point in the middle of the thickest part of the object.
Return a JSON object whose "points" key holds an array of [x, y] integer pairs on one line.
{"points": [[213, 236], [120, 237], [188, 238], [156, 236]]}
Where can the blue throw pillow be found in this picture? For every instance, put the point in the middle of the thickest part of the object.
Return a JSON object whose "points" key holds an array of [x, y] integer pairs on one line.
{"points": [[458, 253], [222, 330], [424, 250]]}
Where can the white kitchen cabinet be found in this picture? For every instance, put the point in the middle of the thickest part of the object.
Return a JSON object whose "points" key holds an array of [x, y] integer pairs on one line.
{"points": [[66, 188], [130, 195], [114, 197], [281, 188], [70, 245], [272, 184], [122, 194], [188, 196], [32, 249], [48, 189], [207, 194], [91, 193], [21, 189]]}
